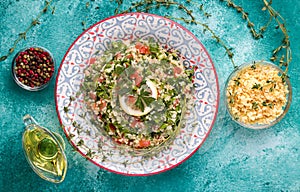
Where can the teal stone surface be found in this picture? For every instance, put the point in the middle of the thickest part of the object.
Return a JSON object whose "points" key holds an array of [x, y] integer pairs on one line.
{"points": [[232, 158]]}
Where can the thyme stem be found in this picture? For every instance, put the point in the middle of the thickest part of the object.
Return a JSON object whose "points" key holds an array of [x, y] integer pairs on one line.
{"points": [[214, 35], [284, 59], [286, 42], [245, 16], [148, 4], [32, 24]]}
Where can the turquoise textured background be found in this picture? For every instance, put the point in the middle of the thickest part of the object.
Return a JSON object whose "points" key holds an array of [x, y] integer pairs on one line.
{"points": [[233, 158]]}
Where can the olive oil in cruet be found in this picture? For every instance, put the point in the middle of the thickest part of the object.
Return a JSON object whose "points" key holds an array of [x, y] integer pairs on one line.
{"points": [[44, 151]]}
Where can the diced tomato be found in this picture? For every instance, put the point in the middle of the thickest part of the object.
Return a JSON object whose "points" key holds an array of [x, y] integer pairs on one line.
{"points": [[92, 60], [133, 124], [176, 102], [118, 141], [136, 121], [177, 70], [131, 100], [137, 78], [100, 79], [144, 143], [143, 49], [134, 75], [102, 105], [130, 56], [139, 45], [94, 105], [112, 127], [158, 93], [92, 95], [118, 56]]}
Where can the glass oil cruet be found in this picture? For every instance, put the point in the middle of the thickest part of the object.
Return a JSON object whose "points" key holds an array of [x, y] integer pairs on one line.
{"points": [[44, 151]]}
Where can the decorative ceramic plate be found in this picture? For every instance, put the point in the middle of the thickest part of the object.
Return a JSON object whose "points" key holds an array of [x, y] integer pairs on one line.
{"points": [[99, 148]]}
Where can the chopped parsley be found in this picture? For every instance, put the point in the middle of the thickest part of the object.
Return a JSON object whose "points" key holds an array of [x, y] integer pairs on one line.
{"points": [[254, 105], [256, 86], [237, 81]]}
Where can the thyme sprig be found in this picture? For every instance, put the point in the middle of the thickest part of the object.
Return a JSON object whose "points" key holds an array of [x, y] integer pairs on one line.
{"points": [[34, 22], [245, 16], [119, 2], [284, 59], [285, 44], [229, 52], [146, 5]]}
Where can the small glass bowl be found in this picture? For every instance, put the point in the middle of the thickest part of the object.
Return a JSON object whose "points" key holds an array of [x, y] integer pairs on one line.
{"points": [[285, 108], [33, 68]]}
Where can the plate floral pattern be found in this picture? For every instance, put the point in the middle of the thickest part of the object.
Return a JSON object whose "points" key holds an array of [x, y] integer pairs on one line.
{"points": [[87, 138]]}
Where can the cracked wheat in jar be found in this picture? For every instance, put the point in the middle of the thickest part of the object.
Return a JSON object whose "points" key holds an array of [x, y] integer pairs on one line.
{"points": [[257, 94]]}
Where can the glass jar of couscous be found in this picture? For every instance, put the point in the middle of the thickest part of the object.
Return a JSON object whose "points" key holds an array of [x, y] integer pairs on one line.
{"points": [[258, 94]]}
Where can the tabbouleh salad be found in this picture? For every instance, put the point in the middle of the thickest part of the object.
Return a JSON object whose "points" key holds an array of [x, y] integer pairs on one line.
{"points": [[138, 92]]}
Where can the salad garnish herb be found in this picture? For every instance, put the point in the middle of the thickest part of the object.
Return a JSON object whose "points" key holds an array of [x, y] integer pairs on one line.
{"points": [[143, 100]]}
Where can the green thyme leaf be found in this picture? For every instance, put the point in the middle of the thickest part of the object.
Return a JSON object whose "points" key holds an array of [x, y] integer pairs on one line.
{"points": [[264, 103], [72, 98], [254, 105], [74, 123], [237, 82], [53, 10], [22, 35], [253, 66], [66, 109], [71, 136], [81, 142], [3, 58], [35, 22], [11, 50], [257, 86]]}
